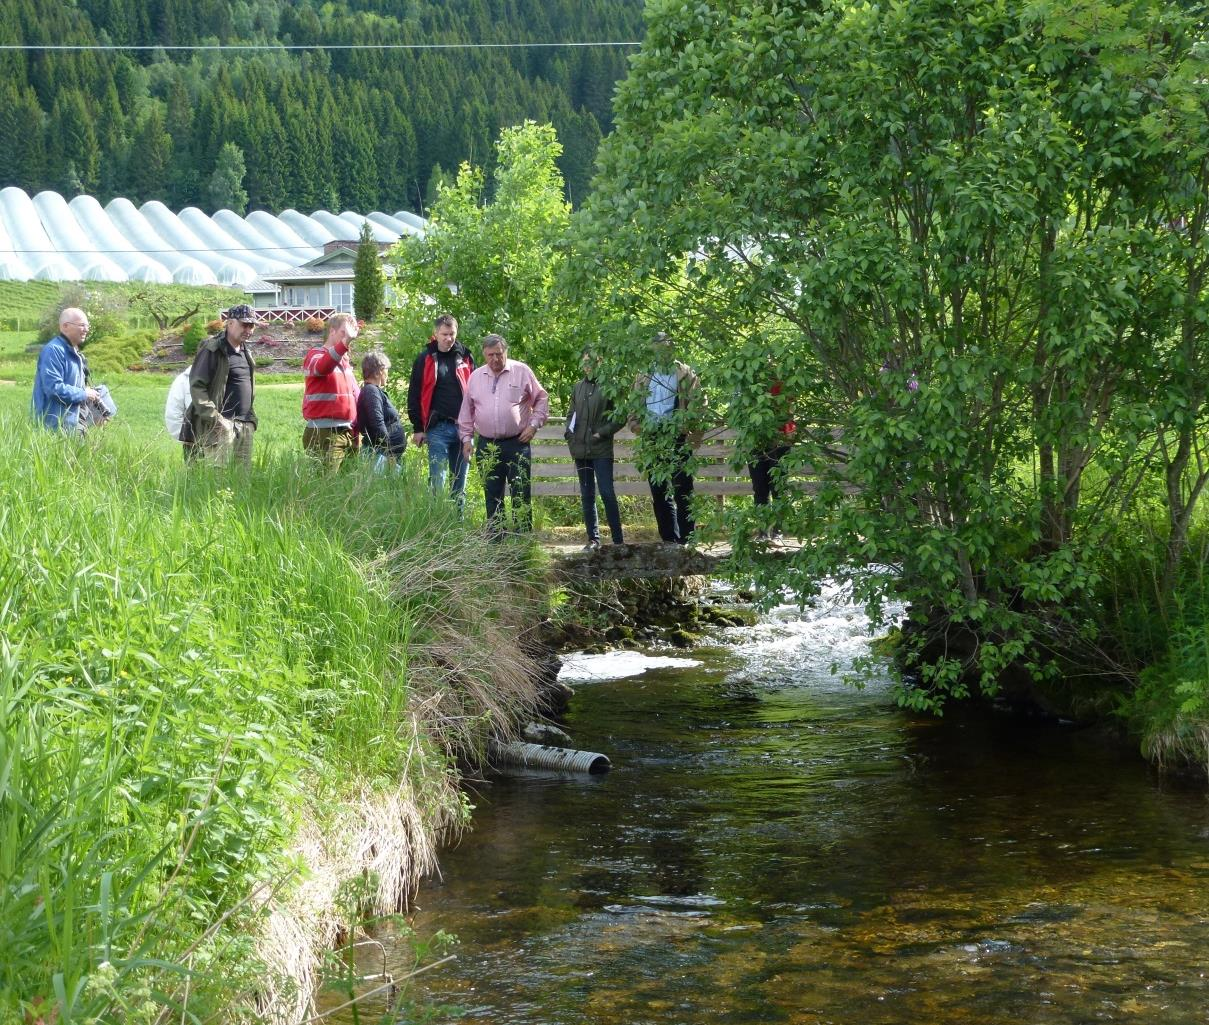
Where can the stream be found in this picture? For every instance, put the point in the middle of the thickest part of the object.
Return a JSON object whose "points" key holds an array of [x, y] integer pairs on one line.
{"points": [[775, 845]]}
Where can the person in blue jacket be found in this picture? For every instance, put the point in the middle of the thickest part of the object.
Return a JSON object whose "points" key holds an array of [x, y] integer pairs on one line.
{"points": [[60, 387]]}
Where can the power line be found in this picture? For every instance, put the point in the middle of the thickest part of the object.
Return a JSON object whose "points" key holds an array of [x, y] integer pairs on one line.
{"points": [[123, 47]]}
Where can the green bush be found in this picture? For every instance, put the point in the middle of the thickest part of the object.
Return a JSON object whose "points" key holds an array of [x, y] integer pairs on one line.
{"points": [[1169, 708], [193, 335], [117, 353], [108, 313]]}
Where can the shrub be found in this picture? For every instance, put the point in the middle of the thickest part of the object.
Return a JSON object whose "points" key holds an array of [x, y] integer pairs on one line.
{"points": [[193, 335], [214, 326], [108, 315], [116, 353], [1169, 708], [315, 325]]}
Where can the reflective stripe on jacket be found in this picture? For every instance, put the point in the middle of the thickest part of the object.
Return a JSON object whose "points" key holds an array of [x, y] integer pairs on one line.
{"points": [[330, 391]]}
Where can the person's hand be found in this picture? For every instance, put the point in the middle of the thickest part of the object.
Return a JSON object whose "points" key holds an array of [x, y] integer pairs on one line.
{"points": [[417, 438], [467, 450], [526, 435], [91, 394]]}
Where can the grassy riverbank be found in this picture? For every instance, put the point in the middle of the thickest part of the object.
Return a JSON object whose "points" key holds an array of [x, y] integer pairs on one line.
{"points": [[227, 707]]}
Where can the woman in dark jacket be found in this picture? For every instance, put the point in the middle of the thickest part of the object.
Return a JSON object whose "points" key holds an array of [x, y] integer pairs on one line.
{"points": [[589, 434], [377, 418]]}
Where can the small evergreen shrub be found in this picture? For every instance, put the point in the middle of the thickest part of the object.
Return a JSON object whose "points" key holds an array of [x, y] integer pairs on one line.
{"points": [[194, 333], [118, 353], [315, 325]]}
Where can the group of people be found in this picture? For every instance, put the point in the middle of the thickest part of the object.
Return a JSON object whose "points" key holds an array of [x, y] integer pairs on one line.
{"points": [[489, 413], [458, 410]]}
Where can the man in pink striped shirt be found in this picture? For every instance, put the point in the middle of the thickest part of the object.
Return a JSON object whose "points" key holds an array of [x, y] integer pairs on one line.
{"points": [[504, 405]]}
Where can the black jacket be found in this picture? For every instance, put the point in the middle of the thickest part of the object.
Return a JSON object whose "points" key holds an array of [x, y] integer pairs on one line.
{"points": [[379, 421]]}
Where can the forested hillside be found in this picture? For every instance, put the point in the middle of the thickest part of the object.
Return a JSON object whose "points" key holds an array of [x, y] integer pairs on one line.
{"points": [[342, 129]]}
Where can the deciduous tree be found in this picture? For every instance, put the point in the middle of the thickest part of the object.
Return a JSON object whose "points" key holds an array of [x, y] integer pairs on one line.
{"points": [[492, 261], [968, 238]]}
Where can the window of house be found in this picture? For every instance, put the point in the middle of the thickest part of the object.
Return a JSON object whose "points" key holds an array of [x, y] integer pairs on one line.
{"points": [[342, 295]]}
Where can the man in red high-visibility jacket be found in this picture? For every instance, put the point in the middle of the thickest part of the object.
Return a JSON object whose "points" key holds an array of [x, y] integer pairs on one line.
{"points": [[329, 398]]}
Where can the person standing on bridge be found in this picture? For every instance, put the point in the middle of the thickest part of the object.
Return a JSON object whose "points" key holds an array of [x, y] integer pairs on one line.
{"points": [[672, 401], [505, 405], [590, 429]]}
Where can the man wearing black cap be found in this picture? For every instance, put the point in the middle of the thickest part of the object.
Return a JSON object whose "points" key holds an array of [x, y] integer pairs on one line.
{"points": [[222, 421]]}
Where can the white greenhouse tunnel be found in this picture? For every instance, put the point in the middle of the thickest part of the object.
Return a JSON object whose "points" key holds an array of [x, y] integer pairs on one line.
{"points": [[47, 238]]}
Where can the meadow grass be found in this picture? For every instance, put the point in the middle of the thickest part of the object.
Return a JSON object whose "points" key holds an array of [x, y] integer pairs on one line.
{"points": [[224, 698]]}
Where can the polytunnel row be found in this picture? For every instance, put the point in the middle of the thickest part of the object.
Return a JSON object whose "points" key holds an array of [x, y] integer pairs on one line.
{"points": [[47, 238]]}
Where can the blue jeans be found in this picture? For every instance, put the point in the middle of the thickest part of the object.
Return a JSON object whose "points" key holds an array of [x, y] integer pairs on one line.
{"points": [[595, 473], [445, 458]]}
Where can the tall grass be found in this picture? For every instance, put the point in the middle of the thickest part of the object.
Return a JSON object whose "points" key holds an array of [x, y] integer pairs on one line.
{"points": [[1162, 645], [213, 684]]}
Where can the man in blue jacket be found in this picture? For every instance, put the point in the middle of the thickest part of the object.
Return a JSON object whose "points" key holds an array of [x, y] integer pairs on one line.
{"points": [[60, 389]]}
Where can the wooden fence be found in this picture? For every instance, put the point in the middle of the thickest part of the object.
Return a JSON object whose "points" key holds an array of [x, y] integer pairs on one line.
{"points": [[554, 469]]}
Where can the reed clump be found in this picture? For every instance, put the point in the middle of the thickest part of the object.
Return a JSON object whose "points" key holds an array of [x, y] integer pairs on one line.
{"points": [[223, 698]]}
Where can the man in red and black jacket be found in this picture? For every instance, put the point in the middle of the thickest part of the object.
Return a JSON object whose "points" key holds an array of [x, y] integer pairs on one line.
{"points": [[434, 398], [329, 398]]}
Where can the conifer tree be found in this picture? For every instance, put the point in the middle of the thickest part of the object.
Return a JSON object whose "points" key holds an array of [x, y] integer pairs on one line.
{"points": [[226, 183], [368, 285]]}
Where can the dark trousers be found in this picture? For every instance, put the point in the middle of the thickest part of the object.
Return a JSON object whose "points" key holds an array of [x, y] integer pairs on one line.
{"points": [[762, 471], [673, 499], [595, 473], [505, 461]]}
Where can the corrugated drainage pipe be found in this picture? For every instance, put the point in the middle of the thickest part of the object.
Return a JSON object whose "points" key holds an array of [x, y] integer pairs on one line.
{"points": [[539, 756]]}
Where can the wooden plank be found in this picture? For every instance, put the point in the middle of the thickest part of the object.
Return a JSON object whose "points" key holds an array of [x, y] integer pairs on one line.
{"points": [[569, 489], [630, 471], [710, 453], [554, 431], [714, 488]]}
